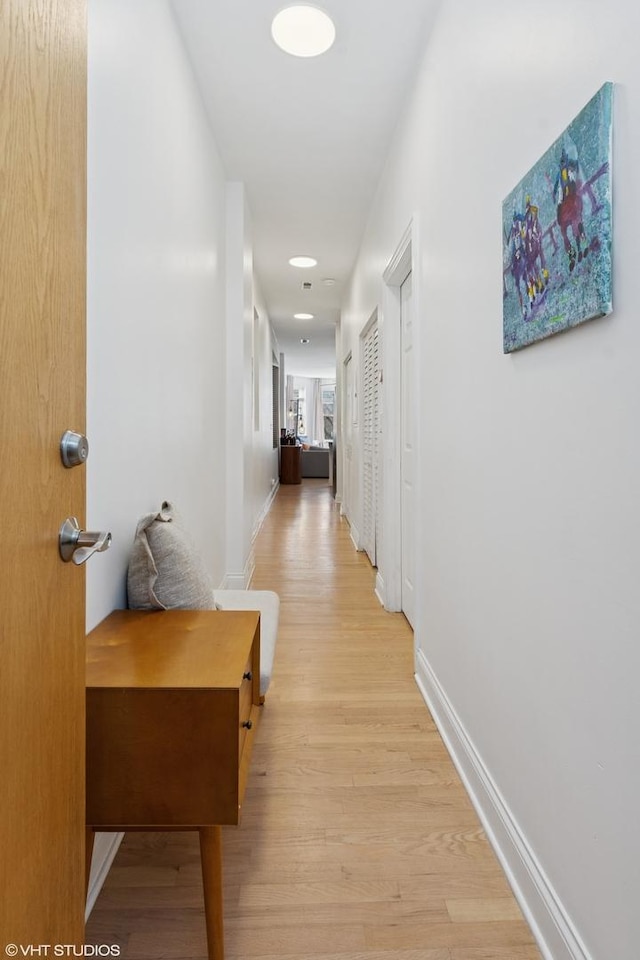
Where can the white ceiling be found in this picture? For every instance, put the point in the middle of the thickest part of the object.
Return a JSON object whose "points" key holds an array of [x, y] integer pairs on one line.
{"points": [[308, 137]]}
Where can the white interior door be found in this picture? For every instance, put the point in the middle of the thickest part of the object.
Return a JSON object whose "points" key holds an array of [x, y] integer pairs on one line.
{"points": [[370, 401], [407, 458], [347, 434]]}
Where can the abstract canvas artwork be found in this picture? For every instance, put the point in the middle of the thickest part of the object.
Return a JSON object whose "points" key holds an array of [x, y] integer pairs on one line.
{"points": [[557, 233]]}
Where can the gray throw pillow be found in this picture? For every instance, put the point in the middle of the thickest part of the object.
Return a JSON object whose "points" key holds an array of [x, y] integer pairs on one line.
{"points": [[165, 570]]}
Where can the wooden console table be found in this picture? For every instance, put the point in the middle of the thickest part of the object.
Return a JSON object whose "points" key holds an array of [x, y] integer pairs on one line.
{"points": [[290, 465], [172, 709]]}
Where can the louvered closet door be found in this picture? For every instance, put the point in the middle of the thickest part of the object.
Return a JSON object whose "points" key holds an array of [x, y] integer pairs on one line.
{"points": [[371, 377]]}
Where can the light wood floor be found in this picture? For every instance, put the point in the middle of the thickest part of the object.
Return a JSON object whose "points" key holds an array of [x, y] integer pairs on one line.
{"points": [[358, 841]]}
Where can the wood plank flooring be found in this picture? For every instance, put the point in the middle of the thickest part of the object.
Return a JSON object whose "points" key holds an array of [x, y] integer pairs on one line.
{"points": [[358, 841]]}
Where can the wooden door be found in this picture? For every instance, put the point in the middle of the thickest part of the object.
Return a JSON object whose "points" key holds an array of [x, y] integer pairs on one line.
{"points": [[42, 393]]}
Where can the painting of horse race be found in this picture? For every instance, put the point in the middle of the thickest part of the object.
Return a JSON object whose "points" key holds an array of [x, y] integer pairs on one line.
{"points": [[557, 233]]}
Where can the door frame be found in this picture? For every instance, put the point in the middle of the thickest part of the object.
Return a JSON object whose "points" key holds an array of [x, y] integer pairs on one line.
{"points": [[405, 260]]}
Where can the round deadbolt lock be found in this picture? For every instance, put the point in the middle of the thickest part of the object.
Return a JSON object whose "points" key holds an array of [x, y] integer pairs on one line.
{"points": [[74, 449]]}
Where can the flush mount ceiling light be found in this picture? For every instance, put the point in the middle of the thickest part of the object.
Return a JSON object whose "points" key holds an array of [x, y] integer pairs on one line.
{"points": [[303, 316], [303, 262], [303, 30]]}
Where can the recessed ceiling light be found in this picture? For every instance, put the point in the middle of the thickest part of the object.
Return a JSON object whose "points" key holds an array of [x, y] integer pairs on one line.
{"points": [[328, 281], [303, 262], [304, 340], [303, 30], [303, 316]]}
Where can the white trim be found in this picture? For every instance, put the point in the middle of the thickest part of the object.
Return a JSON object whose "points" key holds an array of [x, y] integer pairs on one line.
{"points": [[400, 265], [379, 589], [373, 319], [249, 568], [344, 478], [401, 262], [550, 923], [265, 508], [100, 868], [240, 581], [233, 581], [355, 536]]}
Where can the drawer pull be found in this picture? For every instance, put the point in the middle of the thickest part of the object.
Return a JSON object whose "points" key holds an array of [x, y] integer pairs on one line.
{"points": [[247, 724], [247, 676]]}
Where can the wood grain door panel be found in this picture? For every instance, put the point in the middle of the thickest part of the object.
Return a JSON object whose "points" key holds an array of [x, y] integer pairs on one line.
{"points": [[42, 393]]}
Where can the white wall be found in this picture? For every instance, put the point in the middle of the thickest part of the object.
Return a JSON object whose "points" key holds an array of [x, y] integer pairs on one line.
{"points": [[264, 458], [169, 316], [528, 610], [156, 292], [238, 373], [156, 301], [251, 463]]}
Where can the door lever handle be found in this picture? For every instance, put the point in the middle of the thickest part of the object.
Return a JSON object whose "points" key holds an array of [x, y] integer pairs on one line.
{"points": [[78, 545]]}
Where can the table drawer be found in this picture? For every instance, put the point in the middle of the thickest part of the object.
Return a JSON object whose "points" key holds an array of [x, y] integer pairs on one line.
{"points": [[166, 746]]}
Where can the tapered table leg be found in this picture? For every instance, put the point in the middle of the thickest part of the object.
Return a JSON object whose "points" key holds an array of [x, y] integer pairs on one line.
{"points": [[211, 857]]}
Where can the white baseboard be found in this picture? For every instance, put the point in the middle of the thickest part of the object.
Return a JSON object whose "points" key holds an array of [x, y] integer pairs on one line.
{"points": [[355, 536], [250, 569], [353, 530], [265, 508], [552, 927], [379, 589], [104, 850], [240, 581]]}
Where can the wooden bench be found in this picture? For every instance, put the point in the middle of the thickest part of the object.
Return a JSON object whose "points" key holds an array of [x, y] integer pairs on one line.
{"points": [[172, 709]]}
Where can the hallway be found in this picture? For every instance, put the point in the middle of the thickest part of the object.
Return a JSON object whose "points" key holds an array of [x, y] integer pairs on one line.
{"points": [[358, 841]]}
